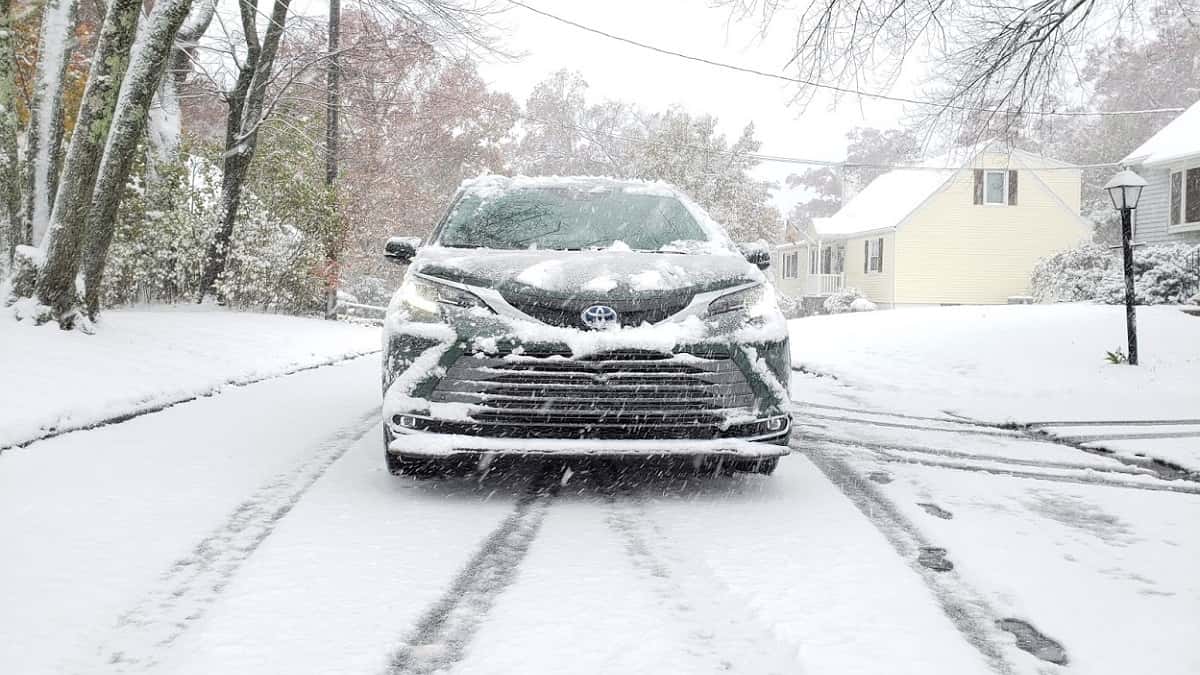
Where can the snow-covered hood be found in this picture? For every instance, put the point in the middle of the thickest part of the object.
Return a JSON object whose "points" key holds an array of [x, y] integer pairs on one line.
{"points": [[602, 274]]}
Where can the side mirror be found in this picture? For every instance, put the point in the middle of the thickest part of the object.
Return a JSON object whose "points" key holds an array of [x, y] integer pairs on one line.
{"points": [[401, 250], [756, 254]]}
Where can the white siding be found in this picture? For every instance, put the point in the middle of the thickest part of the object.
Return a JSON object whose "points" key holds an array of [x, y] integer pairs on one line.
{"points": [[1151, 214]]}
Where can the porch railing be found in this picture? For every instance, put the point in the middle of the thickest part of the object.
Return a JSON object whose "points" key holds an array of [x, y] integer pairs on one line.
{"points": [[825, 284]]}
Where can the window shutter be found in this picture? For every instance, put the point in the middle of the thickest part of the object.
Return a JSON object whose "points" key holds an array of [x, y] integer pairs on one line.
{"points": [[866, 255], [978, 186], [1012, 187], [881, 254]]}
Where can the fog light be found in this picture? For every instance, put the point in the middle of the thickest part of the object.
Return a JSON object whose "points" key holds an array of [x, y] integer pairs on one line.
{"points": [[404, 421], [776, 423]]}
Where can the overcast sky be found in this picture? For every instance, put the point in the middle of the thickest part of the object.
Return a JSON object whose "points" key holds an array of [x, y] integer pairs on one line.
{"points": [[655, 81]]}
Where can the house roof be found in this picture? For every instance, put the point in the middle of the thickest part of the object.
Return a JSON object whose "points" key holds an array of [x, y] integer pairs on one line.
{"points": [[1179, 139], [885, 202], [889, 199]]}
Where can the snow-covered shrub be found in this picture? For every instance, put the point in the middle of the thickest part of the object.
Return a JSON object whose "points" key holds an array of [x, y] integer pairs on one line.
{"points": [[791, 307], [862, 305], [1073, 275], [1163, 274], [843, 300], [164, 228]]}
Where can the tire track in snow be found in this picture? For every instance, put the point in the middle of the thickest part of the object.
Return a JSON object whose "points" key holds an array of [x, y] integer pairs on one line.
{"points": [[1082, 478], [970, 612], [440, 638], [722, 627], [195, 582], [1002, 433], [889, 448], [960, 421], [159, 407], [1161, 468]]}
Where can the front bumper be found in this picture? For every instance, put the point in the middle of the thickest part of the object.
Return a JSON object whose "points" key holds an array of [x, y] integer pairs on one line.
{"points": [[427, 444], [707, 400]]}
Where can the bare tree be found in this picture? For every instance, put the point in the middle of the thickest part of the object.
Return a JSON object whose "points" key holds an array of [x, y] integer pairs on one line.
{"points": [[246, 108], [453, 24], [995, 63]]}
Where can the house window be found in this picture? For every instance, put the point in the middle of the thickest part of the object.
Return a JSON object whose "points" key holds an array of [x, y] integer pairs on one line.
{"points": [[1185, 197], [995, 187], [873, 250], [813, 255], [791, 265]]}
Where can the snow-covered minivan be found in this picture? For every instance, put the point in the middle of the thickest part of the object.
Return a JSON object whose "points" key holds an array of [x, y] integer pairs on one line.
{"points": [[582, 316]]}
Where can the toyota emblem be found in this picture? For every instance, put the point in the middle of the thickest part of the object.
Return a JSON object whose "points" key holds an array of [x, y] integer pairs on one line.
{"points": [[597, 317]]}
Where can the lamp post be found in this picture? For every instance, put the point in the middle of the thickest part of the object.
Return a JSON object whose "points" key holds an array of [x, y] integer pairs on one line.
{"points": [[1125, 189]]}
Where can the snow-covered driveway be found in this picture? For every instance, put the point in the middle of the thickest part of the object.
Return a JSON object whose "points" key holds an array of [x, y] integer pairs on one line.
{"points": [[256, 531]]}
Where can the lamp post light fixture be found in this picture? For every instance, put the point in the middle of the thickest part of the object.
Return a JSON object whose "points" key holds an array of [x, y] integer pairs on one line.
{"points": [[1125, 189]]}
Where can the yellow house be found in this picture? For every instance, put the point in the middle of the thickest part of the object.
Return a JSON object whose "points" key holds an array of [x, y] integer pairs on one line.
{"points": [[941, 232]]}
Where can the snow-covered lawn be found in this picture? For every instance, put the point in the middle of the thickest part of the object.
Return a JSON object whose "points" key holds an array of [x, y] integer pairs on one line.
{"points": [[1024, 363], [144, 358]]}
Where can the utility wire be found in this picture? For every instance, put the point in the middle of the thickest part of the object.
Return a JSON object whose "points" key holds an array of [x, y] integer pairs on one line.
{"points": [[830, 87], [776, 159]]}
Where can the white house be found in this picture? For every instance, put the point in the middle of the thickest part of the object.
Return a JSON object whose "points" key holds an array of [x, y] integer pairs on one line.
{"points": [[941, 232], [1169, 210]]}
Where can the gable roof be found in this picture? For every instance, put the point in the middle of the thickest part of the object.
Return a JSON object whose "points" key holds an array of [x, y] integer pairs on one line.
{"points": [[1179, 139], [885, 201], [890, 199]]}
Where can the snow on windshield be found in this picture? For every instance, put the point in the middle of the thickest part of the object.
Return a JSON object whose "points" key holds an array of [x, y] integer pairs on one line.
{"points": [[577, 213]]}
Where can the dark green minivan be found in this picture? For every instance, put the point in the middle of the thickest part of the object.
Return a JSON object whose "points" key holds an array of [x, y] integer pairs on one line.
{"points": [[582, 317]]}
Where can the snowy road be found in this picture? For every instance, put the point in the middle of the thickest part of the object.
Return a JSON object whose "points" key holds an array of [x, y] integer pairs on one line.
{"points": [[257, 531]]}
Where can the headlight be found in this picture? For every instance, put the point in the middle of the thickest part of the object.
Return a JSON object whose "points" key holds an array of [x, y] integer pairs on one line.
{"points": [[738, 301], [424, 296]]}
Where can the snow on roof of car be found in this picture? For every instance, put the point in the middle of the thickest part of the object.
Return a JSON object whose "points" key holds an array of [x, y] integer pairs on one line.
{"points": [[491, 185], [1179, 139]]}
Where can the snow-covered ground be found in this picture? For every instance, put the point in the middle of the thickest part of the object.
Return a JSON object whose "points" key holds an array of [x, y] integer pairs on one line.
{"points": [[1022, 363], [142, 359], [1026, 364], [256, 530], [1095, 551]]}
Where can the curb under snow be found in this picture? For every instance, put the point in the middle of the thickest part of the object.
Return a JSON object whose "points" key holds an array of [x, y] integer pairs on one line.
{"points": [[157, 406]]}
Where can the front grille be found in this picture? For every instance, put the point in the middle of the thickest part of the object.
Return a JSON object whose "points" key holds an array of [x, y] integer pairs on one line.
{"points": [[566, 312], [633, 395]]}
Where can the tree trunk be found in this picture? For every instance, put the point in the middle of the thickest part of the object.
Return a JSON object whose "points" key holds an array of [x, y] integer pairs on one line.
{"points": [[241, 135], [44, 134], [332, 101], [165, 132], [10, 174], [148, 61], [56, 283]]}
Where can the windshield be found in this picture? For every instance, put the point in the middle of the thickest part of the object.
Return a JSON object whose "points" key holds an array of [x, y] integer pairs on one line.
{"points": [[570, 218]]}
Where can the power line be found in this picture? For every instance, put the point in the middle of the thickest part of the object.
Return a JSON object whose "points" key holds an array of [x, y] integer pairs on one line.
{"points": [[777, 159], [830, 87]]}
